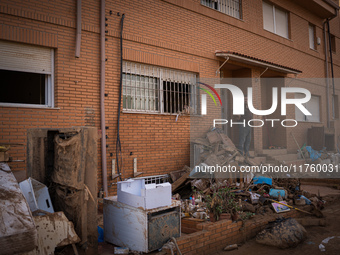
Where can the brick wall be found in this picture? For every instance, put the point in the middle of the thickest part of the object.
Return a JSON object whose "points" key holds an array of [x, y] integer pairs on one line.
{"points": [[179, 34], [213, 237]]}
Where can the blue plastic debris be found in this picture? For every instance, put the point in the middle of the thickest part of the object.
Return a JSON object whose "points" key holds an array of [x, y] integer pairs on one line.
{"points": [[100, 234], [308, 202], [313, 154], [276, 192], [262, 180]]}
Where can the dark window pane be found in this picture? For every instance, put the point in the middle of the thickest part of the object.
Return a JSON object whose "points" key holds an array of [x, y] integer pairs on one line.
{"points": [[22, 87]]}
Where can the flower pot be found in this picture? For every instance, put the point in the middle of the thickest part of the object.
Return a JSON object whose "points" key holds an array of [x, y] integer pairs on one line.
{"points": [[212, 217], [234, 216], [225, 216]]}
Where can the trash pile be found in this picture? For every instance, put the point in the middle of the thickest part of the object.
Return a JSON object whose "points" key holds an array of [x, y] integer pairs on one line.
{"points": [[28, 217], [214, 199], [319, 157], [218, 149], [212, 196]]}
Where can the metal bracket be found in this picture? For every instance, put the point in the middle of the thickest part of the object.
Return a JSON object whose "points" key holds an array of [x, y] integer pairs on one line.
{"points": [[113, 171], [218, 70], [135, 173], [263, 72]]}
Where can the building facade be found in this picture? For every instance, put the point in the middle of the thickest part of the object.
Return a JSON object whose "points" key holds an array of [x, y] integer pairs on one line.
{"points": [[52, 54]]}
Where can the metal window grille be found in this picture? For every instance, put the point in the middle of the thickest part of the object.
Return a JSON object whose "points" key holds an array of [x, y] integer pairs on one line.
{"points": [[158, 90], [157, 179], [229, 7]]}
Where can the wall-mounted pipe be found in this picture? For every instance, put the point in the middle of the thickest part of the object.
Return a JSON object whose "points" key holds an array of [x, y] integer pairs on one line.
{"points": [[326, 22], [78, 31], [102, 94], [326, 70]]}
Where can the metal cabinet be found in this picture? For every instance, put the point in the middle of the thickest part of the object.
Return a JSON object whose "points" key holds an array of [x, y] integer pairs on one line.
{"points": [[138, 229]]}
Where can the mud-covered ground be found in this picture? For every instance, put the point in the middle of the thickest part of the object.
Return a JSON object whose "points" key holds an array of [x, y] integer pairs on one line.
{"points": [[315, 234]]}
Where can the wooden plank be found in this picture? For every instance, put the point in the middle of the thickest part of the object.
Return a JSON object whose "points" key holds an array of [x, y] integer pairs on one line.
{"points": [[180, 181]]}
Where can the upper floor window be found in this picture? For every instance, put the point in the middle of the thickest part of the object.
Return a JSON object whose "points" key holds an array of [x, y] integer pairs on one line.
{"points": [[155, 89], [313, 106], [311, 30], [229, 7], [26, 73], [333, 44], [275, 19]]}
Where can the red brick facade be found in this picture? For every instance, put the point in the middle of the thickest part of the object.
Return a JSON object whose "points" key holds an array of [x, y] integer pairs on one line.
{"points": [[177, 34]]}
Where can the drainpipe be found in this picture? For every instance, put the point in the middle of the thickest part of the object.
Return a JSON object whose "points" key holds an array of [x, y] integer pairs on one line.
{"points": [[326, 65], [327, 80], [78, 38], [102, 94]]}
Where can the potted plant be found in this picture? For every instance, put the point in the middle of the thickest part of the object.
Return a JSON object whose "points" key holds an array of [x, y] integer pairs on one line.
{"points": [[214, 205], [230, 206]]}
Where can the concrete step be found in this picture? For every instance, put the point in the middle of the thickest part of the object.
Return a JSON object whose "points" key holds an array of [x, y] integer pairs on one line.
{"points": [[286, 157], [274, 152], [259, 160]]}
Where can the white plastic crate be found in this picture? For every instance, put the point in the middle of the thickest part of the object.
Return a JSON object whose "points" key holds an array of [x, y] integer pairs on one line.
{"points": [[147, 196], [37, 195]]}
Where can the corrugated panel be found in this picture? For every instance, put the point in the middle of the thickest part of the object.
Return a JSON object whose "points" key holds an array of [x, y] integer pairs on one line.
{"points": [[27, 58]]}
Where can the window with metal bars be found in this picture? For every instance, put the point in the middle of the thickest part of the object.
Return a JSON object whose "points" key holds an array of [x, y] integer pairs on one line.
{"points": [[154, 89], [229, 7]]}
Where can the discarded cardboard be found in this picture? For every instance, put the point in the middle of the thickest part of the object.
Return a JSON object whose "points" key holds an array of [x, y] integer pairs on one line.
{"points": [[54, 230], [18, 233]]}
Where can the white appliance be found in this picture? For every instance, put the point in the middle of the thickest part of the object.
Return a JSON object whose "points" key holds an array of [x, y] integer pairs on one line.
{"points": [[138, 229]]}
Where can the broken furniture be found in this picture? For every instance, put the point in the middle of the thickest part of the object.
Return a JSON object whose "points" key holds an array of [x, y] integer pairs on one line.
{"points": [[18, 233], [54, 230], [65, 160], [138, 229]]}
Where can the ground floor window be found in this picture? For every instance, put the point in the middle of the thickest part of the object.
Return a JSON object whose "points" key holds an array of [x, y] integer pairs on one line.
{"points": [[158, 90], [26, 74], [335, 107], [313, 106], [23, 88]]}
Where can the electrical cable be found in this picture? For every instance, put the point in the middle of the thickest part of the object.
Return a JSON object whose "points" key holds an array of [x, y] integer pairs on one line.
{"points": [[118, 143], [175, 241]]}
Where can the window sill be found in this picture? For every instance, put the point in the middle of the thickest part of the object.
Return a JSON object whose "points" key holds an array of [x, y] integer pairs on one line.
{"points": [[280, 36], [32, 106], [309, 122], [159, 113], [222, 12]]}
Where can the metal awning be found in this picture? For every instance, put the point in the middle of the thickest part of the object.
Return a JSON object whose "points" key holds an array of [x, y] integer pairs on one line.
{"points": [[256, 62]]}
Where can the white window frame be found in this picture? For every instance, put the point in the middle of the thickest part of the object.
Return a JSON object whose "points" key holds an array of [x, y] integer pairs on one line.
{"points": [[300, 117], [228, 7], [311, 33], [162, 75], [49, 88], [274, 19]]}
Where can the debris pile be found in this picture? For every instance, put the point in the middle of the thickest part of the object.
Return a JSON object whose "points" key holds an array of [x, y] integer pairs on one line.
{"points": [[283, 233], [215, 197], [218, 149]]}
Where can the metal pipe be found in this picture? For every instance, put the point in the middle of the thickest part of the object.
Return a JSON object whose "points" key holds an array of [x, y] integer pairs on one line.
{"points": [[331, 54], [78, 37], [327, 80], [102, 94]]}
